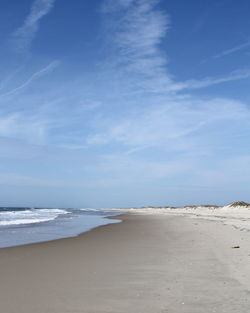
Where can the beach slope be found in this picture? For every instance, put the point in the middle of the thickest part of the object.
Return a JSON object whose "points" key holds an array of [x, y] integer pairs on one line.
{"points": [[146, 264]]}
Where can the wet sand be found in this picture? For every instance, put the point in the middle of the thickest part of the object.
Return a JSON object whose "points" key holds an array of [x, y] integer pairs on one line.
{"points": [[146, 264]]}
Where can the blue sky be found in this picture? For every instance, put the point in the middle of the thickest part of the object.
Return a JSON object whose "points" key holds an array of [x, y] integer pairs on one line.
{"points": [[124, 103]]}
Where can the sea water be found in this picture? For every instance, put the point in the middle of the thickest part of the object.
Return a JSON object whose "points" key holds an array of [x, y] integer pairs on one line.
{"points": [[20, 226]]}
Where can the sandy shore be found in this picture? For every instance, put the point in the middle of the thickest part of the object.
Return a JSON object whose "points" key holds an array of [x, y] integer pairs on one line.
{"points": [[147, 264]]}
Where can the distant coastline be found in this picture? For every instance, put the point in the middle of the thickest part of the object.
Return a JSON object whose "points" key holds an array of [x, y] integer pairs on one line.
{"points": [[237, 204], [236, 213]]}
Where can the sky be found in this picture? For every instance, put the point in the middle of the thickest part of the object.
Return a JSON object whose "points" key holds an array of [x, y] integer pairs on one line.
{"points": [[124, 103]]}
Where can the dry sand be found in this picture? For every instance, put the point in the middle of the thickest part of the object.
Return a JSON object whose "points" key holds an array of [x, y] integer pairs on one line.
{"points": [[147, 264]]}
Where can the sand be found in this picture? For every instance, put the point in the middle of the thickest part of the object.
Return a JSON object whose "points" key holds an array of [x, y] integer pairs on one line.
{"points": [[147, 264], [236, 214]]}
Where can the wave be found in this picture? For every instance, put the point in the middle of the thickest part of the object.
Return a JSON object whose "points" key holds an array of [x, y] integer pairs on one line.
{"points": [[25, 221], [31, 216], [95, 210], [90, 210]]}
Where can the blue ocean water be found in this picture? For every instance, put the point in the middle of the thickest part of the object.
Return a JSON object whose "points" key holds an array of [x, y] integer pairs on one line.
{"points": [[20, 226]]}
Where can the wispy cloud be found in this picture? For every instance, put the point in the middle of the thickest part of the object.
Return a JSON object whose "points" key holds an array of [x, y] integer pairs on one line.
{"points": [[232, 50], [137, 35], [163, 119], [210, 81], [163, 125], [50, 67], [109, 6], [24, 35], [32, 128], [138, 28]]}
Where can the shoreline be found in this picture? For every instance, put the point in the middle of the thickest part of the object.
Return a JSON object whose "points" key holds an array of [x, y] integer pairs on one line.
{"points": [[67, 236], [70, 237], [145, 264]]}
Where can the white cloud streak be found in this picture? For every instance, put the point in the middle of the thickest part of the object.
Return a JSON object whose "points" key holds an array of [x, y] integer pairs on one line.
{"points": [[232, 50], [111, 6], [47, 69], [31, 128], [138, 30], [137, 35], [24, 35], [164, 125], [164, 120], [210, 81]]}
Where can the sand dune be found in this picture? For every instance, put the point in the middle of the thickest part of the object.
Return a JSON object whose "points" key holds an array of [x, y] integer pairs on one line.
{"points": [[236, 214]]}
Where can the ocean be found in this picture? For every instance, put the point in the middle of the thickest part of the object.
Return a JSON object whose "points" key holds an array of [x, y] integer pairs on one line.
{"points": [[19, 226]]}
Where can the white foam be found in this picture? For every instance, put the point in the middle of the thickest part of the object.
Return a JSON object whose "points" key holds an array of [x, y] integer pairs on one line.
{"points": [[58, 211], [31, 216], [25, 221], [90, 210]]}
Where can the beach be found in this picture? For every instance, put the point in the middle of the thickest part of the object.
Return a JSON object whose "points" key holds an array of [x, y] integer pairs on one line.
{"points": [[146, 264]]}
